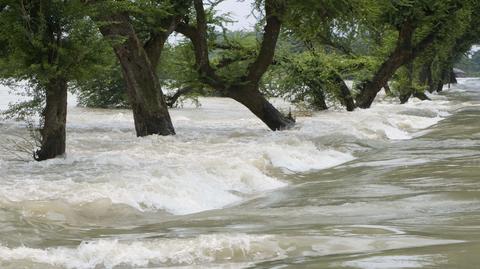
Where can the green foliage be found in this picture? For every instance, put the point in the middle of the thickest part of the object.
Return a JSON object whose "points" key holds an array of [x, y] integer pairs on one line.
{"points": [[45, 40], [320, 40], [309, 79], [404, 84], [105, 90], [177, 72]]}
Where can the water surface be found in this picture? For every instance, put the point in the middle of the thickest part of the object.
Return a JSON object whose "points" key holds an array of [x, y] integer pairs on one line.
{"points": [[396, 186]]}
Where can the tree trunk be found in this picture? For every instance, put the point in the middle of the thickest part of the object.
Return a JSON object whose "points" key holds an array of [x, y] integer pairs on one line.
{"points": [[345, 94], [319, 102], [439, 87], [387, 89], [426, 77], [452, 77], [404, 53], [422, 96], [370, 88], [404, 98], [405, 94], [251, 97], [53, 132], [444, 78], [146, 97], [400, 55], [245, 89]]}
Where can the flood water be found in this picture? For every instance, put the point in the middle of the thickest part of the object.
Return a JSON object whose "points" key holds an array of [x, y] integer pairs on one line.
{"points": [[396, 186]]}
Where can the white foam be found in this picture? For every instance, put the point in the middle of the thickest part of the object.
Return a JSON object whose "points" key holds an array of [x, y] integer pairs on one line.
{"points": [[112, 253], [386, 119], [222, 154], [304, 156], [396, 262], [212, 249]]}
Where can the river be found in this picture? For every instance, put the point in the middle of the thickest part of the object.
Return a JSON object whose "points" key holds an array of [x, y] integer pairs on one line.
{"points": [[395, 186]]}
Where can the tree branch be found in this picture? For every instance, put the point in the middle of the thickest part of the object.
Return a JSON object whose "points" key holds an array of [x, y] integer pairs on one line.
{"points": [[273, 11], [198, 37], [155, 44]]}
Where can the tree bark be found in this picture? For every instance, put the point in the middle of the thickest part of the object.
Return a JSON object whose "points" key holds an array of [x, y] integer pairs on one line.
{"points": [[387, 89], [345, 95], [251, 98], [53, 132], [407, 93], [422, 96], [146, 97], [439, 87]]}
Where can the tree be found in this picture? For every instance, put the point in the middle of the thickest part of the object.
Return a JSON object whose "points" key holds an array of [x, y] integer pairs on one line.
{"points": [[418, 24], [47, 45], [244, 88], [138, 32]]}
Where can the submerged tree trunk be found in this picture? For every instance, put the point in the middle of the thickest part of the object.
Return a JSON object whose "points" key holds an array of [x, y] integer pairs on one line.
{"points": [[444, 78], [370, 88], [319, 102], [422, 96], [146, 97], [404, 52], [345, 95], [426, 78], [439, 86], [53, 132], [253, 99], [406, 93], [452, 79], [387, 89]]}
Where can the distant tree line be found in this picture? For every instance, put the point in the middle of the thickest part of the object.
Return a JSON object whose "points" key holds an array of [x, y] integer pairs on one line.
{"points": [[117, 54]]}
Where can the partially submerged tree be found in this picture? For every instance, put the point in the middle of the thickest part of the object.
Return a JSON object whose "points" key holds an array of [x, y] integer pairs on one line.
{"points": [[47, 44], [418, 24], [138, 32], [323, 27], [243, 86], [434, 67]]}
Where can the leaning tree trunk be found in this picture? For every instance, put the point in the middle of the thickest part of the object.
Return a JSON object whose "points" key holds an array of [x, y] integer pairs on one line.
{"points": [[439, 86], [251, 97], [53, 132], [402, 54], [444, 78], [319, 102], [344, 94], [369, 89], [146, 97], [407, 93], [387, 89], [422, 96]]}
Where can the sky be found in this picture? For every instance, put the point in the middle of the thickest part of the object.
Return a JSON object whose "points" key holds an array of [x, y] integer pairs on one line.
{"points": [[240, 11]]}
